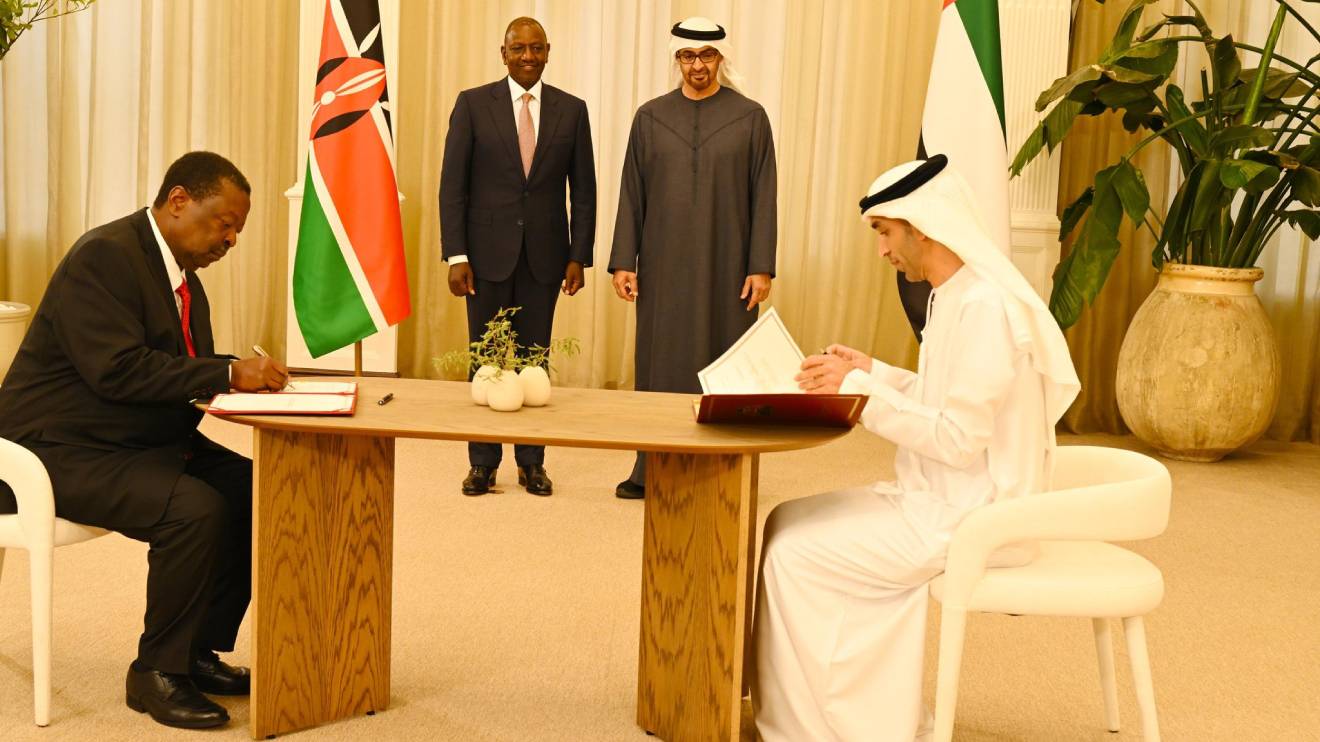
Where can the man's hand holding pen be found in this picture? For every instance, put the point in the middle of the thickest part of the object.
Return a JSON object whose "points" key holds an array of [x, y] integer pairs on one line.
{"points": [[259, 374], [824, 372]]}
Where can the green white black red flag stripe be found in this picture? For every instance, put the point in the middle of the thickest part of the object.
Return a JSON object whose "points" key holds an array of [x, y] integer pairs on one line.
{"points": [[349, 276]]}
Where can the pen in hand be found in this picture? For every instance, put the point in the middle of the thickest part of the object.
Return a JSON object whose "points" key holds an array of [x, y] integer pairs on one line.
{"points": [[288, 385]]}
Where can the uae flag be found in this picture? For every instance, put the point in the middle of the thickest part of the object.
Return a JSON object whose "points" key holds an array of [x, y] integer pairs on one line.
{"points": [[349, 277], [964, 120], [964, 115]]}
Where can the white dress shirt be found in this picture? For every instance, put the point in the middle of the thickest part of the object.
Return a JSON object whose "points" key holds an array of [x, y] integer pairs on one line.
{"points": [[517, 91], [173, 271]]}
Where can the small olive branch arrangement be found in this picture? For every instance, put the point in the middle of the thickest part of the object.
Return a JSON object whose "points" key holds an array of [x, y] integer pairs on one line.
{"points": [[499, 349]]}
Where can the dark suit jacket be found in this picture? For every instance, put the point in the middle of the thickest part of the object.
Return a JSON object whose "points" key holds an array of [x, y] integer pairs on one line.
{"points": [[487, 206], [101, 384]]}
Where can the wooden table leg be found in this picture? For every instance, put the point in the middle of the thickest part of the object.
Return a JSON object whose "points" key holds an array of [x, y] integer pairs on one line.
{"points": [[323, 520], [697, 576]]}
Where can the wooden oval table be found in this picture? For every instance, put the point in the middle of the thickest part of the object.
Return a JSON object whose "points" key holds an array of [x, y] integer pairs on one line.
{"points": [[323, 540]]}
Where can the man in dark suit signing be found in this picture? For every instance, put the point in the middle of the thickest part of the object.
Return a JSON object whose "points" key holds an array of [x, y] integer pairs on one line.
{"points": [[511, 148], [101, 391]]}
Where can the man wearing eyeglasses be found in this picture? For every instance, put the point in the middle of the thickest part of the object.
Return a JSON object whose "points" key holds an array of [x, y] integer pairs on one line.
{"points": [[512, 147], [694, 243]]}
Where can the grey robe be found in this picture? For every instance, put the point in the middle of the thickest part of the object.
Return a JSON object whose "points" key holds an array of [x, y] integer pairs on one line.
{"points": [[696, 217]]}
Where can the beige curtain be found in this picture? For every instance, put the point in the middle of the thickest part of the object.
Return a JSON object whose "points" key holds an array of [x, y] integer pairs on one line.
{"points": [[1291, 289], [95, 106], [842, 83]]}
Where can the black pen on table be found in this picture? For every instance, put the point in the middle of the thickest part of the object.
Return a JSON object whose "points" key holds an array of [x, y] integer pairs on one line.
{"points": [[385, 399]]}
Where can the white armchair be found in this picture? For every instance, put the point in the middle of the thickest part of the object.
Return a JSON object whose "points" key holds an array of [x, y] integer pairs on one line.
{"points": [[36, 529], [1099, 495]]}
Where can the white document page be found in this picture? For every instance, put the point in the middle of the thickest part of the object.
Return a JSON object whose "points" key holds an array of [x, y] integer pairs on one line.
{"points": [[321, 387], [277, 403], [763, 361]]}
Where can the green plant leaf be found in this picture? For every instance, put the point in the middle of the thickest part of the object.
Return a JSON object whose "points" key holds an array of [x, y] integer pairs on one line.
{"points": [[1157, 57], [1122, 95], [1306, 220], [1225, 63], [1130, 185], [1029, 149], [1127, 28], [1193, 132], [1081, 275], [1124, 74], [1059, 121], [1074, 211], [1206, 198], [1253, 176], [1173, 238], [1241, 136], [1306, 185], [1279, 84], [1065, 85]]}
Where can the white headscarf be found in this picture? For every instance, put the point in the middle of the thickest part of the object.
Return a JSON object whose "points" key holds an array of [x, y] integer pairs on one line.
{"points": [[728, 76], [944, 209]]}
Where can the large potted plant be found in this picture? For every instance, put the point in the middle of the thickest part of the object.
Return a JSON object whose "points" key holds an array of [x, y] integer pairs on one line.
{"points": [[1198, 369]]}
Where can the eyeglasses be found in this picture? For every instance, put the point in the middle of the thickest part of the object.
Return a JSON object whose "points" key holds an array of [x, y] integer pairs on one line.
{"points": [[706, 56]]}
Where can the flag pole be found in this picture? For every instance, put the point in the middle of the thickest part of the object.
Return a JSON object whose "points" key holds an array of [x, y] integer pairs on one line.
{"points": [[357, 358]]}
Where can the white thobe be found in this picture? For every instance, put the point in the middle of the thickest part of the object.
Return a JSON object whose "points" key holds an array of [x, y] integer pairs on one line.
{"points": [[841, 610]]}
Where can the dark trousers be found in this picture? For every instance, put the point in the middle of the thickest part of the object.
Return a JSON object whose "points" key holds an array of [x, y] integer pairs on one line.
{"points": [[532, 323], [638, 475], [199, 566]]}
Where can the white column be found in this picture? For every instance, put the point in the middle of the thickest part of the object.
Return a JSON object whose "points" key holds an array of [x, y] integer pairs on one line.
{"points": [[380, 351], [1034, 37]]}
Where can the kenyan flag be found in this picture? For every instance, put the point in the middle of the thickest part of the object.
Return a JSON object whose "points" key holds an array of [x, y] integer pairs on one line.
{"points": [[349, 277], [964, 115]]}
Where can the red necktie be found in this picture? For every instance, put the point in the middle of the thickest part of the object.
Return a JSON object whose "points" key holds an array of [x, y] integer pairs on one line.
{"points": [[185, 303]]}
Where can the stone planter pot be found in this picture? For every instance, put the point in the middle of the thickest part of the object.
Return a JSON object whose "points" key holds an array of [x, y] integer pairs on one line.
{"points": [[1198, 372]]}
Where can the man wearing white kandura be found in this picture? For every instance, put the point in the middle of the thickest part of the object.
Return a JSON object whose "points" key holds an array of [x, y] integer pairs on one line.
{"points": [[841, 609]]}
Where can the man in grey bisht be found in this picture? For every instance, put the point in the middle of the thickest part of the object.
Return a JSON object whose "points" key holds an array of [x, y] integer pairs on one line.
{"points": [[694, 243]]}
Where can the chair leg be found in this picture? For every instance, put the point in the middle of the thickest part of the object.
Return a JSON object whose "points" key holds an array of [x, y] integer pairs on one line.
{"points": [[41, 562], [1135, 630], [1104, 652], [953, 625]]}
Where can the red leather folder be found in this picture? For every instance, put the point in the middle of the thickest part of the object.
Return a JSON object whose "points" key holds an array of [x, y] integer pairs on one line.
{"points": [[830, 410]]}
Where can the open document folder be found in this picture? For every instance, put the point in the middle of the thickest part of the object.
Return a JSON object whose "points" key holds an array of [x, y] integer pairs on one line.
{"points": [[298, 398], [752, 383]]}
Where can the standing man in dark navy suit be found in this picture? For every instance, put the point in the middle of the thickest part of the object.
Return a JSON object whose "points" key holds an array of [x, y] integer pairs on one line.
{"points": [[512, 147]]}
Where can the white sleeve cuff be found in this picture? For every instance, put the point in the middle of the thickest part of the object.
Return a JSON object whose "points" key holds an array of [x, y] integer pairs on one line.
{"points": [[856, 382], [457, 259]]}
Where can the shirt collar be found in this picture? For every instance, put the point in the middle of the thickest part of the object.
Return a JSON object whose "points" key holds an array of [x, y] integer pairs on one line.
{"points": [[517, 91], [172, 268]]}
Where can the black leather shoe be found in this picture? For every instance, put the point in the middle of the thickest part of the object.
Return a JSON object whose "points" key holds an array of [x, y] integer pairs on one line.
{"points": [[171, 700], [627, 490], [218, 678], [535, 480], [479, 480]]}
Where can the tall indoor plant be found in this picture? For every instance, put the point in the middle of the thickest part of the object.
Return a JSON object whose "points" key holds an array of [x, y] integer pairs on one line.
{"points": [[1198, 371]]}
